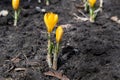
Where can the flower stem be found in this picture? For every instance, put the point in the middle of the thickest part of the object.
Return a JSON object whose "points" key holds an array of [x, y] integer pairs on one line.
{"points": [[85, 5], [15, 18], [55, 57], [47, 2], [92, 15], [49, 54]]}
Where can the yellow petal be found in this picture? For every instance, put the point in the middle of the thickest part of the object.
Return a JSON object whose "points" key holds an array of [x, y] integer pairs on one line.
{"points": [[59, 34], [50, 20], [15, 4], [92, 3], [46, 21]]}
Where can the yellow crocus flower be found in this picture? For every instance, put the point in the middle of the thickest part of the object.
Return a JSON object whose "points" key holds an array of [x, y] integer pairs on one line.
{"points": [[59, 34], [50, 20], [15, 4], [92, 3]]}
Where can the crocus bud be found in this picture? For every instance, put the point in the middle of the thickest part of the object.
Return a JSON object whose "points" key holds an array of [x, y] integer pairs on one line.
{"points": [[15, 4], [59, 34], [92, 3], [50, 20]]}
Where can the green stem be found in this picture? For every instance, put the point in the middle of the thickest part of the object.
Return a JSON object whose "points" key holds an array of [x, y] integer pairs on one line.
{"points": [[85, 5], [92, 15], [47, 2], [55, 57], [49, 54], [15, 18]]}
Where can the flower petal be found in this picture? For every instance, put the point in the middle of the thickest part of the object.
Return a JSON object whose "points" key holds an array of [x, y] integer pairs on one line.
{"points": [[59, 34]]}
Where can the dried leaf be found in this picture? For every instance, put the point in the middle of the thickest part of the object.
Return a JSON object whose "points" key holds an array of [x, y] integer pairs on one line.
{"points": [[79, 6], [32, 63], [15, 60], [20, 69], [11, 68], [56, 74]]}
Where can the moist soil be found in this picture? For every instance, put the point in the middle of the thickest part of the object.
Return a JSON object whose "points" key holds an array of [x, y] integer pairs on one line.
{"points": [[89, 51]]}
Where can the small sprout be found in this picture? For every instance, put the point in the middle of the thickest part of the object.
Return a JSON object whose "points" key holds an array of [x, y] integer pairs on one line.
{"points": [[92, 9], [39, 1], [15, 5], [47, 2], [59, 34], [86, 6], [89, 5], [50, 20]]}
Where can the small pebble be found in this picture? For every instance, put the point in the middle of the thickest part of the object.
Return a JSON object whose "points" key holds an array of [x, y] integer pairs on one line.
{"points": [[118, 21], [4, 13], [43, 10], [114, 18], [40, 10]]}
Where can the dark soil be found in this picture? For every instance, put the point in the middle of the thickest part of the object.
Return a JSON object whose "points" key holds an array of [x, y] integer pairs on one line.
{"points": [[90, 51]]}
